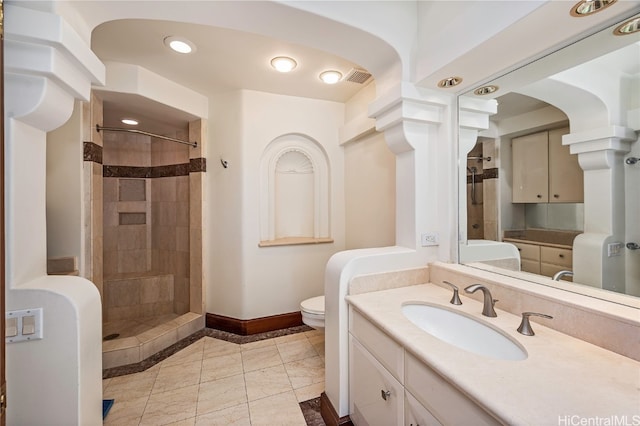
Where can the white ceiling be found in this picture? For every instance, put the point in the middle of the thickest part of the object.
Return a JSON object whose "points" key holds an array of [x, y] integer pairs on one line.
{"points": [[224, 60]]}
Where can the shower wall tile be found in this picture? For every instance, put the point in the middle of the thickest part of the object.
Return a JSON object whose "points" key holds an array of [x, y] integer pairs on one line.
{"points": [[198, 133], [110, 263], [132, 237], [163, 213], [164, 238], [491, 230], [87, 130], [132, 261], [182, 264], [97, 113], [121, 293], [164, 261], [163, 189], [157, 289], [165, 152], [195, 192], [489, 150], [181, 297], [110, 189], [147, 310], [182, 239], [124, 149], [182, 189], [182, 214]]}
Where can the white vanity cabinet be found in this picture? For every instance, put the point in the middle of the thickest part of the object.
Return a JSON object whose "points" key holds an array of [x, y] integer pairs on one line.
{"points": [[377, 398], [415, 414], [442, 399], [389, 386]]}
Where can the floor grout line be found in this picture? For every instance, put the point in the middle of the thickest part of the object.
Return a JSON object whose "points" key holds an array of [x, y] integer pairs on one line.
{"points": [[203, 341]]}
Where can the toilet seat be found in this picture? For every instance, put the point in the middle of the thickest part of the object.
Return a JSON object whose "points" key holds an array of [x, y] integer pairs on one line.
{"points": [[312, 311], [315, 305]]}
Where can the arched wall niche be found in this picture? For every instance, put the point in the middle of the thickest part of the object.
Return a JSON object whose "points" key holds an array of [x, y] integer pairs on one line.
{"points": [[294, 192]]}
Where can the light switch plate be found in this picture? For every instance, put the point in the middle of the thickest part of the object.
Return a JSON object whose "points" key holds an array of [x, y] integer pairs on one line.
{"points": [[32, 327]]}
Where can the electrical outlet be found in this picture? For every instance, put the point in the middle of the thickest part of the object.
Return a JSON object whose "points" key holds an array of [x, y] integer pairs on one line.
{"points": [[614, 249], [429, 239]]}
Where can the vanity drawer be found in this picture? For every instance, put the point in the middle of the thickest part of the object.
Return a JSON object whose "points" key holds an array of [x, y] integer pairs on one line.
{"points": [[528, 251], [532, 266], [446, 403], [549, 270], [376, 397], [556, 256], [386, 350]]}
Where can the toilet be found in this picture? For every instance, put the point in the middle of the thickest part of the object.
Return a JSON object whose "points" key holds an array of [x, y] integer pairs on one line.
{"points": [[313, 312]]}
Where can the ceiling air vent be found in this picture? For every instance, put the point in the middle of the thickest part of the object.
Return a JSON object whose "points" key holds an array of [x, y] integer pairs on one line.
{"points": [[357, 76]]}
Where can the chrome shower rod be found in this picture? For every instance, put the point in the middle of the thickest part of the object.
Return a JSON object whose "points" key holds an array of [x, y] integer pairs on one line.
{"points": [[142, 132]]}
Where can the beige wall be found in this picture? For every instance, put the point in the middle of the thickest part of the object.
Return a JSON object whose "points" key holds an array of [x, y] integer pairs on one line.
{"points": [[64, 189], [370, 187], [369, 179]]}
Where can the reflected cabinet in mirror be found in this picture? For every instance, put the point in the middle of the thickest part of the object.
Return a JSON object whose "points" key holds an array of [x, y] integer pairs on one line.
{"points": [[550, 182]]}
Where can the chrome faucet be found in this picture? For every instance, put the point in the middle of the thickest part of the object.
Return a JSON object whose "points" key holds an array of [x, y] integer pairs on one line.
{"points": [[489, 301], [560, 274]]}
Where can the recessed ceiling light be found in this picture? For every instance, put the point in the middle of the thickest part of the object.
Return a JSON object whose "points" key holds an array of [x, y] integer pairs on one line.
{"points": [[588, 7], [283, 63], [130, 121], [179, 44], [331, 77], [485, 90], [449, 82], [629, 27]]}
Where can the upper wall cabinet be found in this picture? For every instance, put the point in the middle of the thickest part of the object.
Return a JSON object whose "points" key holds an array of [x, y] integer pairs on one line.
{"points": [[544, 171]]}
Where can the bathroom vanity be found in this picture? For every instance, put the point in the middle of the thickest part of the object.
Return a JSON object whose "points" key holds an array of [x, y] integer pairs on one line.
{"points": [[400, 374]]}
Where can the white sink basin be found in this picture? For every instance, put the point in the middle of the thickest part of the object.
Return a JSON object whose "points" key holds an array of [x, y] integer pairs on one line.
{"points": [[463, 331]]}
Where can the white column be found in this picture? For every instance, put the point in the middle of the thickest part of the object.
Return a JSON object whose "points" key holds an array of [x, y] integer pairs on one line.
{"points": [[412, 121], [598, 253], [473, 116], [47, 66]]}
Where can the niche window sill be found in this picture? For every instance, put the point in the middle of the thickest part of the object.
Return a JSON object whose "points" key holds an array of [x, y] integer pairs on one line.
{"points": [[293, 241]]}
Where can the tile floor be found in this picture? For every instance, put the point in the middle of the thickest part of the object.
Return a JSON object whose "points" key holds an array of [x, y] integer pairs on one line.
{"points": [[216, 382]]}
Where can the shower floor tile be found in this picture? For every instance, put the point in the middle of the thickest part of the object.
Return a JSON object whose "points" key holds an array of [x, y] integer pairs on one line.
{"points": [[211, 385], [134, 327]]}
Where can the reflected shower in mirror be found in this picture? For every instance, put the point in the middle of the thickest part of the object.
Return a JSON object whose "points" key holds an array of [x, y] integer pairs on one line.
{"points": [[548, 186]]}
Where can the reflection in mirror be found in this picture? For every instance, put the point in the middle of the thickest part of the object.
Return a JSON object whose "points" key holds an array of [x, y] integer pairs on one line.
{"points": [[549, 189]]}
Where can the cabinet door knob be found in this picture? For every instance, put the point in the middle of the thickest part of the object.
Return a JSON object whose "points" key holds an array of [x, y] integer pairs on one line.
{"points": [[556, 196], [561, 256], [539, 196], [385, 394]]}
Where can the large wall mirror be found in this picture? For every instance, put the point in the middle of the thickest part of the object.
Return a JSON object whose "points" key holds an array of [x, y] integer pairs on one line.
{"points": [[550, 183]]}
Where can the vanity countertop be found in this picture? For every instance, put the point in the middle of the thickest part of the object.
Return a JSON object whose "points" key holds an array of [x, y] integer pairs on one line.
{"points": [[538, 243], [542, 237], [561, 377]]}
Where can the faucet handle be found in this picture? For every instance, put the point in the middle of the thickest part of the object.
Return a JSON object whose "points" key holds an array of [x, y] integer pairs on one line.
{"points": [[525, 325], [455, 299]]}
